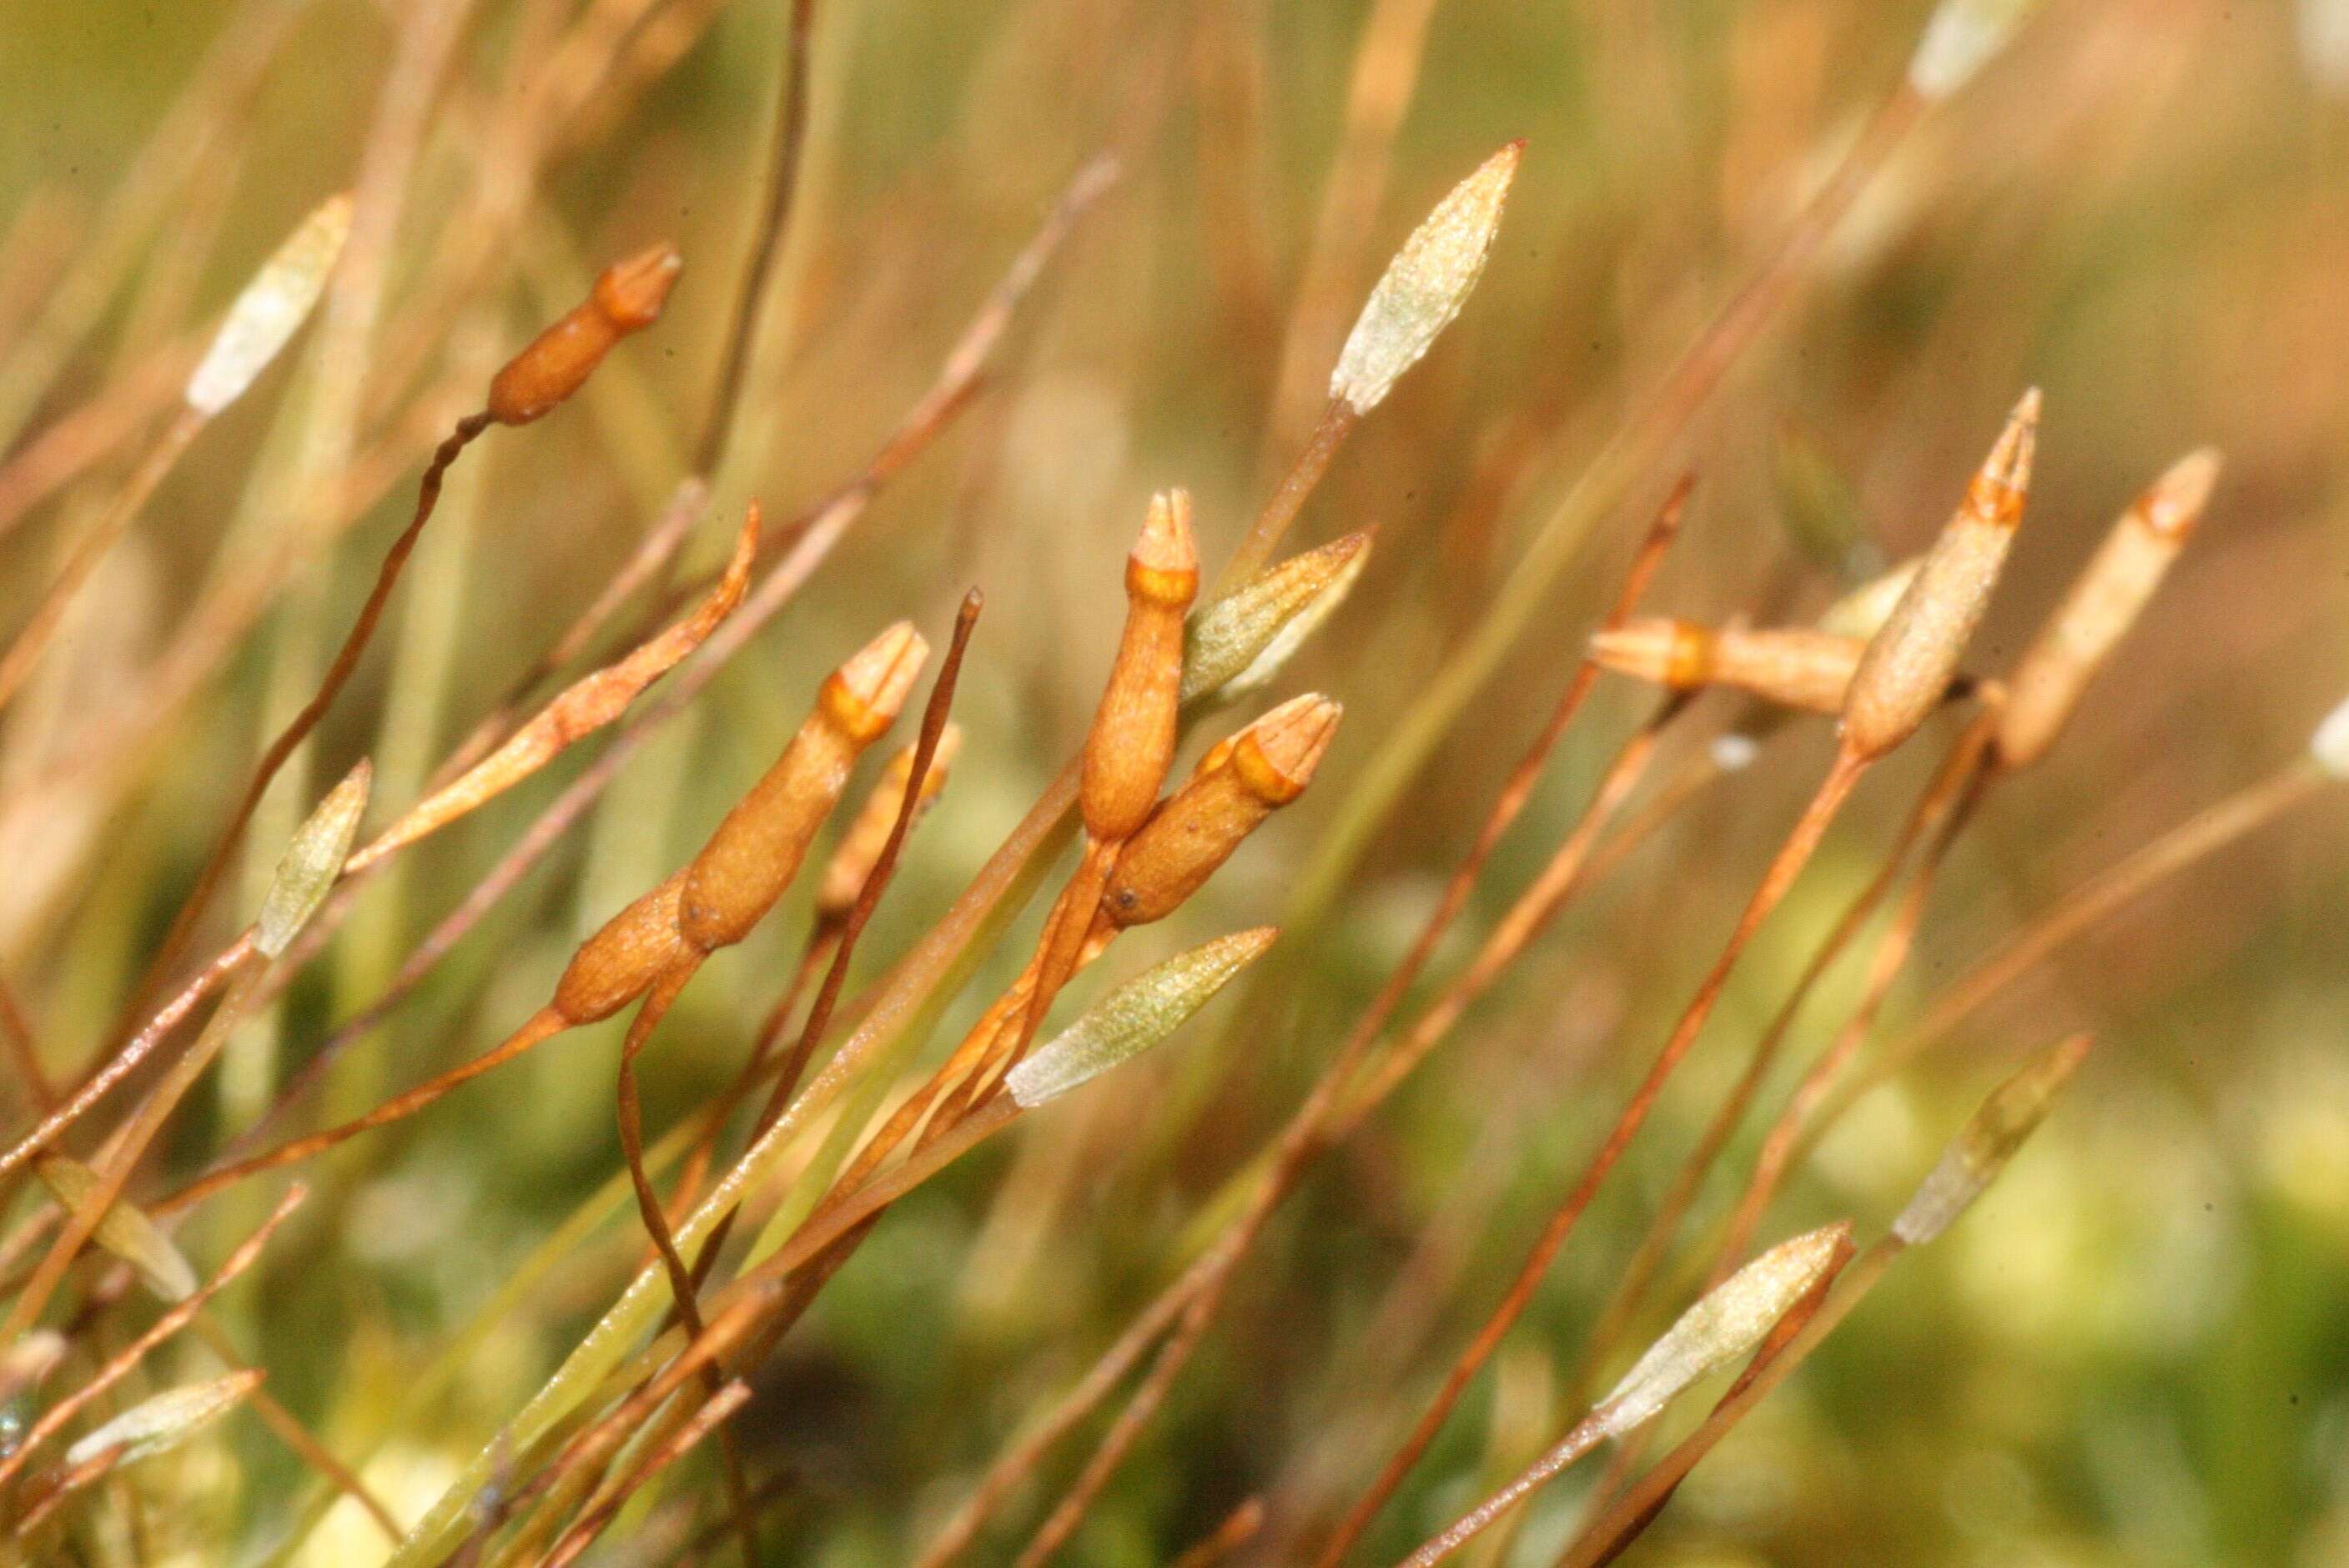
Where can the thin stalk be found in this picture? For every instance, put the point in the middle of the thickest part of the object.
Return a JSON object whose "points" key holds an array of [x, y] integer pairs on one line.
{"points": [[341, 357], [338, 673], [60, 1414], [298, 1438], [631, 1119], [1926, 822], [594, 1447], [1893, 948], [42, 237], [830, 1224], [1378, 92], [1239, 1527], [1308, 1132], [711, 1415], [1793, 855], [1607, 1538], [1109, 1369], [782, 183], [1633, 452], [449, 1361], [129, 1143], [538, 1028], [24, 1051], [1564, 874], [814, 956], [73, 443], [126, 1061], [648, 561], [631, 1116], [1951, 802], [2086, 906], [1319, 1123], [1579, 1439], [1255, 547]]}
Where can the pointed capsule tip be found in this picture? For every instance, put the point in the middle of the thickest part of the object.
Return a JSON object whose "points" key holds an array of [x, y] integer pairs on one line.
{"points": [[632, 292], [2009, 460], [2174, 503], [1166, 543], [881, 672], [1296, 736], [2000, 486]]}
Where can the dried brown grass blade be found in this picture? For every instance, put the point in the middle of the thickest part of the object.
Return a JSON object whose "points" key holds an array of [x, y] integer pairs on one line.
{"points": [[585, 706]]}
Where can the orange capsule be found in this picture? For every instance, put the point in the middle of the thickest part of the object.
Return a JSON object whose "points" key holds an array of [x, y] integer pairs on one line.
{"points": [[626, 298], [757, 850], [621, 961], [2104, 602], [1239, 783], [1131, 742], [1795, 667], [1908, 664]]}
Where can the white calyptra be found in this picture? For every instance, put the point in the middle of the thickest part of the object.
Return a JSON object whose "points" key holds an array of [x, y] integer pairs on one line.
{"points": [[1961, 39], [1726, 1322], [1292, 634], [1986, 1142], [272, 309], [312, 861], [1426, 284], [164, 1421], [123, 1230], [1240, 640], [1134, 1017]]}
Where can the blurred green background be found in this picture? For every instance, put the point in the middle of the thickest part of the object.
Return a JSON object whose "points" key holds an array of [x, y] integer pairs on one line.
{"points": [[2136, 1351]]}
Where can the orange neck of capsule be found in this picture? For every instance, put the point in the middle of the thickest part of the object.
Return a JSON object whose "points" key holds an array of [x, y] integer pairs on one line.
{"points": [[2165, 521], [1260, 777], [1169, 588], [630, 294], [850, 714], [1689, 661], [1994, 501]]}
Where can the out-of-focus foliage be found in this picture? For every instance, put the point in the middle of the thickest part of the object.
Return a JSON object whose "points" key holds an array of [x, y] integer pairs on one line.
{"points": [[2132, 1351]]}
